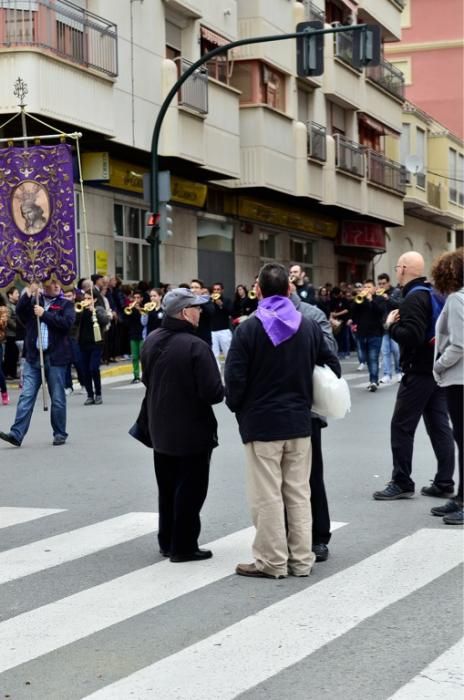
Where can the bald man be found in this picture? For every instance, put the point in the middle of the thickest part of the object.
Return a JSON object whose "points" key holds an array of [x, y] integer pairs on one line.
{"points": [[418, 394]]}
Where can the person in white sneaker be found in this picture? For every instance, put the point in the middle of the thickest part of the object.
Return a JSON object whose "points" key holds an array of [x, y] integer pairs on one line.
{"points": [[390, 347]]}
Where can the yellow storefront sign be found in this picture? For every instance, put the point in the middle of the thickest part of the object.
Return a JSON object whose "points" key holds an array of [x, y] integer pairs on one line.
{"points": [[188, 192], [126, 176], [285, 217], [101, 262]]}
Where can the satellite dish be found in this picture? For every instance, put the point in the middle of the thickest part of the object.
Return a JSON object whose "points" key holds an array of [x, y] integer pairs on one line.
{"points": [[414, 164]]}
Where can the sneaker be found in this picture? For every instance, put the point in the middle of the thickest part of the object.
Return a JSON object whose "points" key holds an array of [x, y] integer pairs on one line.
{"points": [[321, 551], [89, 402], [449, 507], [392, 492], [372, 387], [68, 391], [98, 400], [361, 367], [8, 437], [5, 398], [385, 379], [399, 377], [135, 380], [456, 518], [437, 492], [59, 440]]}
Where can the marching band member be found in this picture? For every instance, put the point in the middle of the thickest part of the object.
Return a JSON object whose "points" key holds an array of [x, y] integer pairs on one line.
{"points": [[220, 323]]}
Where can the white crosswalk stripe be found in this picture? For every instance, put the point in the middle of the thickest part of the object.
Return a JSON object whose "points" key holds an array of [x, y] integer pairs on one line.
{"points": [[258, 647], [238, 657], [37, 556], [17, 516], [443, 679]]}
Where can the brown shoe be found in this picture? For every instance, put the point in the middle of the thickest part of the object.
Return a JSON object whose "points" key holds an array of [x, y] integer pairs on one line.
{"points": [[251, 570]]}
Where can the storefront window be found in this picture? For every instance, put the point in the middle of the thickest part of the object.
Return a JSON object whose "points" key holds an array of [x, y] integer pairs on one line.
{"points": [[301, 253], [132, 253], [215, 235], [267, 245]]}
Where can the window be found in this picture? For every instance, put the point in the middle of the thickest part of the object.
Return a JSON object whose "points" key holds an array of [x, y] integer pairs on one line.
{"points": [[405, 147], [301, 253], [267, 245], [218, 67], [420, 153], [456, 177], [337, 120], [259, 84], [215, 235], [20, 21], [404, 65], [460, 180], [132, 253]]}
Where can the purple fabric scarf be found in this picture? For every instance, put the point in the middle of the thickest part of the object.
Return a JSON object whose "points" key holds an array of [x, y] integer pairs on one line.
{"points": [[279, 317]]}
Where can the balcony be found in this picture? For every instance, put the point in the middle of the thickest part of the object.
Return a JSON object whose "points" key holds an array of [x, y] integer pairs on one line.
{"points": [[317, 147], [343, 47], [63, 29], [385, 172], [387, 76], [194, 92], [313, 12], [434, 195], [349, 156]]}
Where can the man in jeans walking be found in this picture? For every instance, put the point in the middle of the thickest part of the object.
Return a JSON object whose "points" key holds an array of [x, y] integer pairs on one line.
{"points": [[56, 316]]}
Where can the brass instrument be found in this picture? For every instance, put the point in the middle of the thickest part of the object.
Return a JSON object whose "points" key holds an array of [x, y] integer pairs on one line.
{"points": [[380, 292], [79, 306], [359, 298], [130, 308], [149, 306], [293, 279], [216, 296], [252, 294]]}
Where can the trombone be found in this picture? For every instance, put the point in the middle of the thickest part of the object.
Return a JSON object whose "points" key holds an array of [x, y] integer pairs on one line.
{"points": [[128, 310]]}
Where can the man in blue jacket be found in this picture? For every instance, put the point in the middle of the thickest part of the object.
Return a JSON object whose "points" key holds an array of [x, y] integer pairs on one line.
{"points": [[56, 316], [268, 377]]}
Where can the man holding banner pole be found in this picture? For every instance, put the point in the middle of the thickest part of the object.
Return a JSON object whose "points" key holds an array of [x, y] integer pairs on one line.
{"points": [[56, 316]]}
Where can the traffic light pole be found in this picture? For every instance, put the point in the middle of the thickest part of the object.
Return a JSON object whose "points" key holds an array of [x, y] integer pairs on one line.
{"points": [[154, 167]]}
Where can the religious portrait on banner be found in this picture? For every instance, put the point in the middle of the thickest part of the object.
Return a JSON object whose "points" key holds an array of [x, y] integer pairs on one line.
{"points": [[37, 230]]}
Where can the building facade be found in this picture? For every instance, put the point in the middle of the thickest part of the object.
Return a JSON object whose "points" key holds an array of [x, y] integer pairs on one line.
{"points": [[263, 164]]}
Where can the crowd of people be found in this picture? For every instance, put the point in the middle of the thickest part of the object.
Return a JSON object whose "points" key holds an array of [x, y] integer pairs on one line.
{"points": [[270, 337]]}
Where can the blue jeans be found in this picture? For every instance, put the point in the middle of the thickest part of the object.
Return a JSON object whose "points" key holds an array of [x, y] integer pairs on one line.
{"points": [[32, 381], [370, 345], [390, 347]]}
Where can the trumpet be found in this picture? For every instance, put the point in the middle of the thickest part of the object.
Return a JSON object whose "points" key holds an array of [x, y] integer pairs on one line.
{"points": [[216, 296], [130, 308], [359, 298], [149, 306], [380, 291], [79, 306], [252, 294]]}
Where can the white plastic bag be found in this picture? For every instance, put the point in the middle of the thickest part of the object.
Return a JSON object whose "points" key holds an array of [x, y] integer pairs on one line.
{"points": [[331, 395]]}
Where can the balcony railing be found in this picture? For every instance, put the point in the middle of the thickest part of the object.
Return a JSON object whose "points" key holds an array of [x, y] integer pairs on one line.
{"points": [[62, 28], [434, 195], [317, 147], [386, 172], [343, 47], [388, 76], [194, 92], [313, 12], [349, 156]]}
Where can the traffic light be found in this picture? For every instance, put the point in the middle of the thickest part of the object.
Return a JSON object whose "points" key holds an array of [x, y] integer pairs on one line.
{"points": [[151, 225], [309, 49], [165, 221], [367, 47]]}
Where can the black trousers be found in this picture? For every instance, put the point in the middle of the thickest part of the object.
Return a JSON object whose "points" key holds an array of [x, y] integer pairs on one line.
{"points": [[182, 488], [319, 505], [10, 358], [419, 395], [455, 400]]}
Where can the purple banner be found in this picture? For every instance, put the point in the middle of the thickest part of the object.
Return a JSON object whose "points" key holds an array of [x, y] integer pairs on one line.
{"points": [[37, 233]]}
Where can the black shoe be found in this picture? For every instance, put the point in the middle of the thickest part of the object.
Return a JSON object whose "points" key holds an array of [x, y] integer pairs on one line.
{"points": [[447, 509], [165, 552], [437, 491], [199, 555], [392, 492], [98, 401], [89, 402], [321, 551], [372, 387], [8, 437], [59, 440], [456, 518]]}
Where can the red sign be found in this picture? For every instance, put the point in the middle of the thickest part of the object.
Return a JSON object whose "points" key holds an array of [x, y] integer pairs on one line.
{"points": [[363, 234]]}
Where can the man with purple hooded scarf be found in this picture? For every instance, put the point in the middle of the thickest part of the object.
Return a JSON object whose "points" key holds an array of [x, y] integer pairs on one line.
{"points": [[268, 377]]}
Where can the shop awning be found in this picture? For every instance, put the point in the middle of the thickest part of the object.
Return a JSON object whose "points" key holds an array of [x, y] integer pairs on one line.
{"points": [[212, 37], [376, 125]]}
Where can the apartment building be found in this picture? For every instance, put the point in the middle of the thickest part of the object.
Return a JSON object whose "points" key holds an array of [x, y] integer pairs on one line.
{"points": [[264, 165], [431, 56]]}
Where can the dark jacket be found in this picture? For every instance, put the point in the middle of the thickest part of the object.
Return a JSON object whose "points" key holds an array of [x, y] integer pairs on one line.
{"points": [[270, 388], [183, 381], [243, 307], [85, 334], [416, 354], [368, 316], [306, 293], [220, 317], [134, 325], [154, 320], [59, 319]]}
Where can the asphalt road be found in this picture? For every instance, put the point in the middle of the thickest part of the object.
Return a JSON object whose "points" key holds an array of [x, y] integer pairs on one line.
{"points": [[88, 608]]}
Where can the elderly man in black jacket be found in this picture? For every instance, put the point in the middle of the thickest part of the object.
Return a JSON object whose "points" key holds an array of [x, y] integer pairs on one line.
{"points": [[183, 381], [268, 377], [418, 395]]}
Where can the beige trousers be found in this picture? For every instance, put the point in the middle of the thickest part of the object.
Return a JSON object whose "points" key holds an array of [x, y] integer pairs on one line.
{"points": [[278, 485]]}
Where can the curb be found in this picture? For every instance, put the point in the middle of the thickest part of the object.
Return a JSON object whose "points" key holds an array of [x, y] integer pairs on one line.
{"points": [[125, 368]]}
